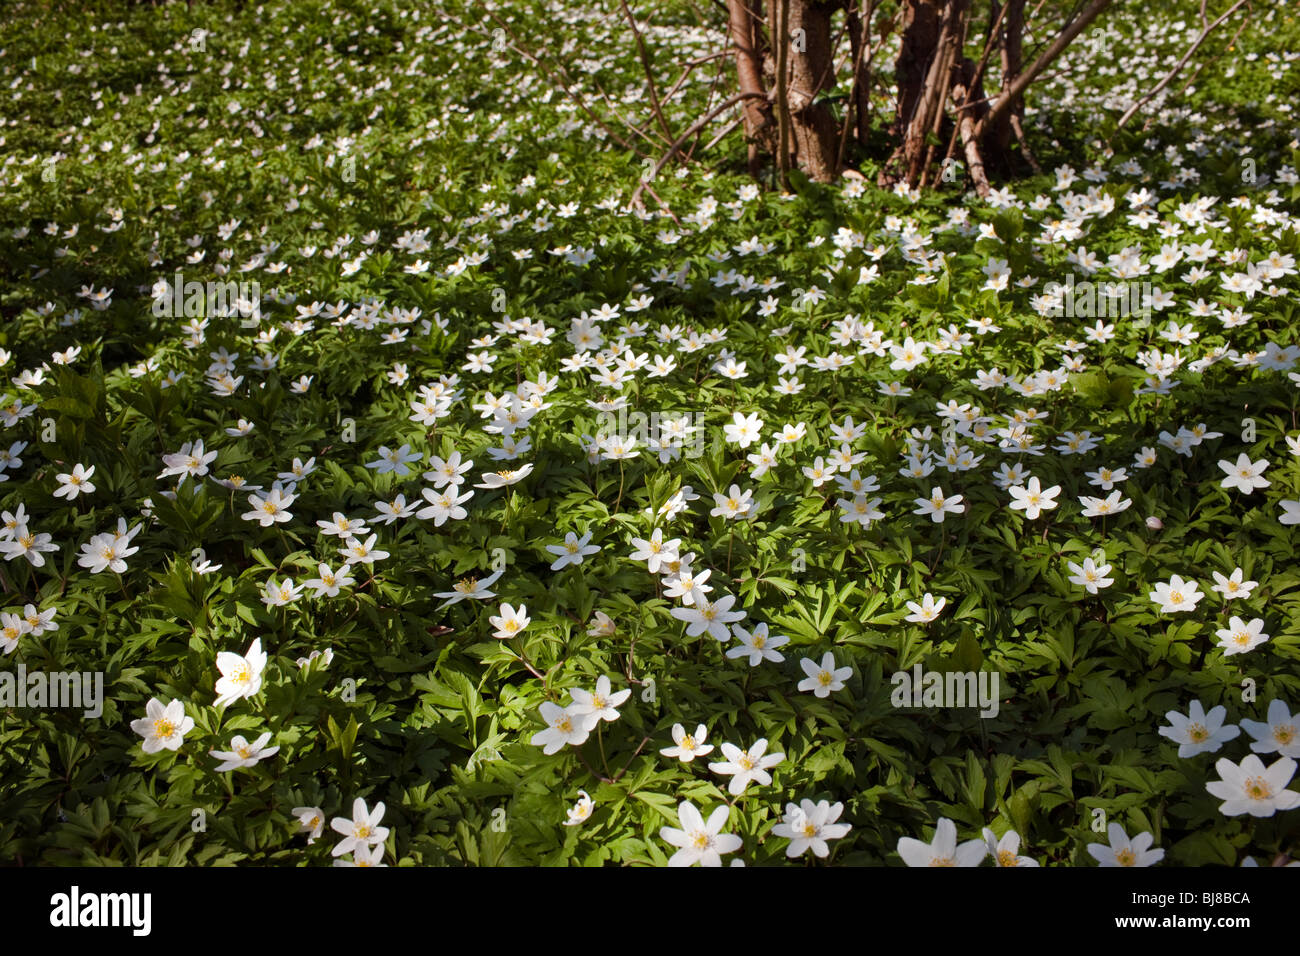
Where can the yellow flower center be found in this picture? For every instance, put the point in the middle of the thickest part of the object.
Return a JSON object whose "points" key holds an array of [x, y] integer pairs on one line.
{"points": [[1197, 733], [1126, 857], [1257, 788], [163, 728]]}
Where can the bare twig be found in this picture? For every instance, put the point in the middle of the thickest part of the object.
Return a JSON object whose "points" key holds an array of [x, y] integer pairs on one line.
{"points": [[688, 70], [781, 27], [723, 135], [655, 141], [649, 73], [666, 208], [695, 127], [859, 63], [1019, 129], [1044, 60], [1155, 90], [708, 103], [1231, 43], [559, 81]]}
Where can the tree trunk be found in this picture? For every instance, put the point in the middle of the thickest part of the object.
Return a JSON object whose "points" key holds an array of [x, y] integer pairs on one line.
{"points": [[968, 97], [920, 60], [926, 118], [812, 71], [1012, 41], [920, 41], [744, 18], [784, 53], [859, 27]]}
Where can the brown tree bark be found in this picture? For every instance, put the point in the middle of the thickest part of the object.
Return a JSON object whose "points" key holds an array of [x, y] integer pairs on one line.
{"points": [[859, 28], [932, 38], [811, 71], [1011, 42], [1045, 59], [785, 59], [968, 95], [920, 42], [745, 16]]}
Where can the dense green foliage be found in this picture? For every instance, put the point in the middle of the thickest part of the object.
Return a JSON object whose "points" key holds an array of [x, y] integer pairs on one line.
{"points": [[420, 173]]}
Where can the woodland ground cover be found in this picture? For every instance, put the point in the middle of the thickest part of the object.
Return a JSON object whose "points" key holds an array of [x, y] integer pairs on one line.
{"points": [[370, 448]]}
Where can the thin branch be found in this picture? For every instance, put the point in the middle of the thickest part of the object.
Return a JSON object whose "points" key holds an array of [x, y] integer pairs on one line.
{"points": [[1155, 90], [988, 49], [689, 69], [1231, 43], [564, 87], [1018, 128], [666, 207], [627, 122], [695, 127], [649, 73], [1057, 47], [713, 89], [974, 85], [864, 42], [781, 26], [723, 135]]}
